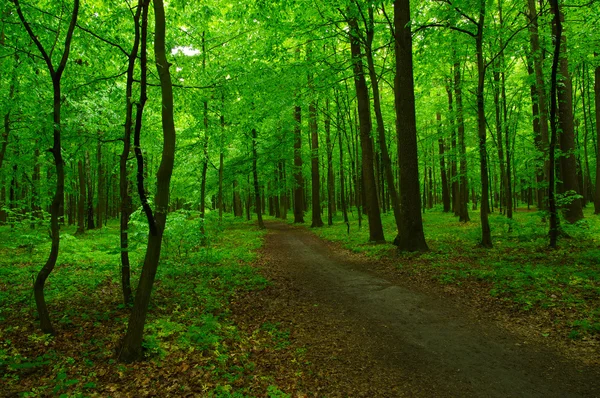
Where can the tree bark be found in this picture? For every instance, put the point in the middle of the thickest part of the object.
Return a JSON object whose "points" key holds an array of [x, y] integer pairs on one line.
{"points": [[330, 176], [597, 102], [257, 200], [443, 172], [125, 208], [463, 193], [131, 349], [364, 117], [410, 235], [573, 211], [82, 199], [486, 236], [298, 179], [557, 24]]}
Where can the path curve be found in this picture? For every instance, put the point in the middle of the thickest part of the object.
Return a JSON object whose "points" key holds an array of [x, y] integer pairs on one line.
{"points": [[425, 346]]}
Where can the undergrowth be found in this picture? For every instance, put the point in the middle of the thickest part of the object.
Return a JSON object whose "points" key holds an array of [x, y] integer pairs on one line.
{"points": [[191, 345]]}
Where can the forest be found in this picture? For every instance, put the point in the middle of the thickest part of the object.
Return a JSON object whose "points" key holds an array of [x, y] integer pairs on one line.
{"points": [[226, 198]]}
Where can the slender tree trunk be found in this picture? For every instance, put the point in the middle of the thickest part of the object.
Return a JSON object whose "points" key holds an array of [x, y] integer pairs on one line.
{"points": [[486, 236], [317, 221], [462, 148], [445, 191], [237, 200], [125, 208], [554, 123], [330, 176], [257, 200], [364, 113], [58, 200], [82, 199], [131, 349], [410, 235], [597, 102], [298, 179]]}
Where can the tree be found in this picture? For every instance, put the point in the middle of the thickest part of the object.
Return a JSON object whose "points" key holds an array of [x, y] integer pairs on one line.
{"points": [[410, 236], [131, 348], [56, 74]]}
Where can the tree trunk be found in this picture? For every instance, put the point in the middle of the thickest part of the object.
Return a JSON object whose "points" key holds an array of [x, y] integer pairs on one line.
{"points": [[238, 211], [131, 349], [101, 187], [557, 24], [58, 200], [298, 179], [125, 208], [597, 101], [257, 200], [462, 148], [364, 113], [317, 221], [486, 236], [330, 176], [445, 191], [568, 163], [82, 199], [410, 235]]}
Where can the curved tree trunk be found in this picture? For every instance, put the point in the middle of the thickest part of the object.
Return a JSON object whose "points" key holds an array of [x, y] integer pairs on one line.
{"points": [[131, 349], [58, 200]]}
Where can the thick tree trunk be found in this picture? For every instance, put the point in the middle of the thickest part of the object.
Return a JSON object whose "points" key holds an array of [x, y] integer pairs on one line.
{"points": [[364, 117], [131, 349], [410, 235], [573, 211]]}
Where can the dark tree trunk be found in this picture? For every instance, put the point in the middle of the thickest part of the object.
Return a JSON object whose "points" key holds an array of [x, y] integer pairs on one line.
{"points": [[540, 94], [453, 167], [444, 175], [568, 163], [257, 200], [125, 208], [364, 113], [82, 199], [385, 156], [463, 210], [317, 221], [131, 349], [237, 200], [298, 179], [597, 99], [486, 236], [554, 123], [330, 176], [410, 236], [341, 150], [58, 200]]}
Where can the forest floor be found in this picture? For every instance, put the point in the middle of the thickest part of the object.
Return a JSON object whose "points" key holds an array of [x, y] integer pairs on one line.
{"points": [[364, 328]]}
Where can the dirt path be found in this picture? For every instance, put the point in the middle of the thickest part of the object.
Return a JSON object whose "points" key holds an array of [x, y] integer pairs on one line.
{"points": [[369, 337]]}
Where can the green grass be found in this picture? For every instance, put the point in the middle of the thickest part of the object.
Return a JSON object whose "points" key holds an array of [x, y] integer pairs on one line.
{"points": [[188, 323], [520, 271]]}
